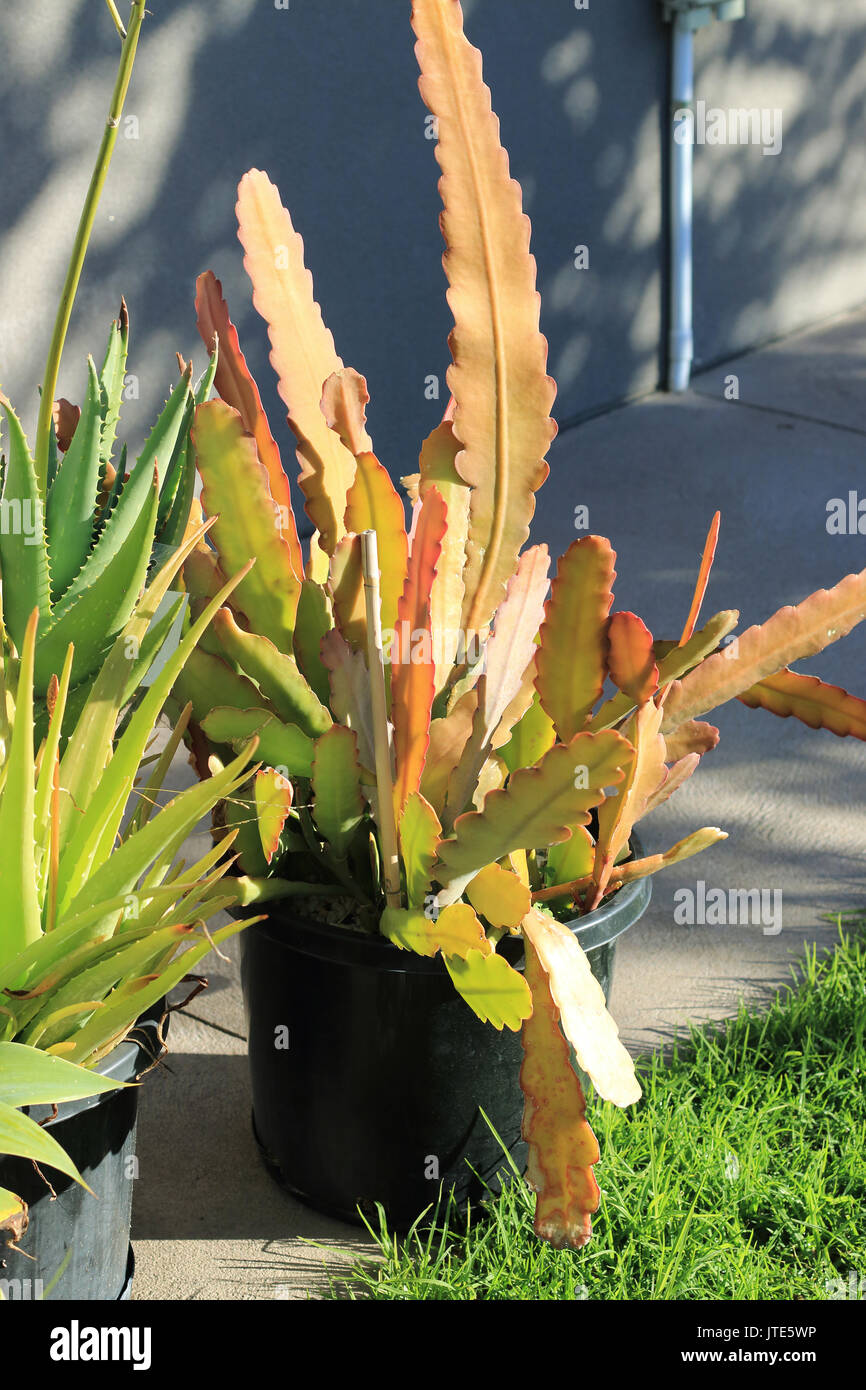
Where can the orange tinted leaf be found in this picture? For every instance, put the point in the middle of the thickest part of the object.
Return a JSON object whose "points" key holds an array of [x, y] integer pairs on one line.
{"points": [[344, 401], [302, 349], [499, 896], [373, 504], [346, 586], [273, 798], [618, 814], [237, 388], [630, 659], [571, 656], [692, 737], [438, 453], [810, 700]]}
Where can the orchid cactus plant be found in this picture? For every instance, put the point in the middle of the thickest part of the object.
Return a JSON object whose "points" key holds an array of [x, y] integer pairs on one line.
{"points": [[438, 719]]}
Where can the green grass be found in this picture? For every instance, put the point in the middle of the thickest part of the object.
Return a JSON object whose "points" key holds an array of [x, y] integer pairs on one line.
{"points": [[740, 1175]]}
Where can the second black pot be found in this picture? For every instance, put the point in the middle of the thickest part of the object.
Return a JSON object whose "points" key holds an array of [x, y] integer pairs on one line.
{"points": [[369, 1072]]}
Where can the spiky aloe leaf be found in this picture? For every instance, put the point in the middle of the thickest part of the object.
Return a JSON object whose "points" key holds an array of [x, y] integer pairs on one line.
{"points": [[23, 552], [22, 1136], [161, 441], [111, 379], [72, 498], [503, 395], [302, 349], [20, 918], [338, 805]]}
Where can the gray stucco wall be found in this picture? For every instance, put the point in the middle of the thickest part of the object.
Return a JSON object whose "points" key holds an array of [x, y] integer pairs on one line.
{"points": [[323, 96]]}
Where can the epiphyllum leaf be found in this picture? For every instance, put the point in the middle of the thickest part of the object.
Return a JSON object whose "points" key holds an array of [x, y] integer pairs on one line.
{"points": [[237, 388], [419, 836], [678, 773], [696, 843], [703, 579], [349, 681], [503, 395], [344, 405], [562, 1147], [789, 635], [573, 645], [374, 505], [346, 588], [448, 738], [692, 737], [236, 492], [536, 808], [630, 660], [337, 802], [532, 736], [276, 675], [810, 700], [583, 1012], [283, 746], [273, 796], [499, 896], [572, 859], [455, 932], [493, 989], [618, 814], [302, 349], [438, 453], [412, 669]]}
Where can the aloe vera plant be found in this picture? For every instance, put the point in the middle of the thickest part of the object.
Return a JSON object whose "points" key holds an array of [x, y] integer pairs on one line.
{"points": [[99, 918], [77, 532], [431, 708]]}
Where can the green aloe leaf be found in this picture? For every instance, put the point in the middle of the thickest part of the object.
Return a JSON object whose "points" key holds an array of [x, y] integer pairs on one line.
{"points": [[161, 441], [24, 1137], [32, 1077], [23, 552], [72, 498], [20, 921], [111, 382]]}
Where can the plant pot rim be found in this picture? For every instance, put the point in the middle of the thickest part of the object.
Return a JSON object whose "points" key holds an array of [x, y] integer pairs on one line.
{"points": [[375, 952]]}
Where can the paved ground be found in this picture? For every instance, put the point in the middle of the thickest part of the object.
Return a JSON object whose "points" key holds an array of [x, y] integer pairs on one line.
{"points": [[208, 1222]]}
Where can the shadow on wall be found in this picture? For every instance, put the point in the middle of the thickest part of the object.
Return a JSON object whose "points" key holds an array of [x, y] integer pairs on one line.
{"points": [[330, 108]]}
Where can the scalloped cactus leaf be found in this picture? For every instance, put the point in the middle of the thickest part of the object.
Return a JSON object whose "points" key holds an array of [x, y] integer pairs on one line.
{"points": [[812, 701], [273, 801], [346, 588], [373, 504], [349, 682], [492, 988], [438, 470], [498, 378], [630, 658], [344, 405], [338, 805], [455, 932], [448, 738], [530, 739], [73, 493], [419, 837], [645, 775], [276, 675], [312, 622], [236, 491], [236, 386], [282, 746], [207, 680], [302, 349], [572, 652], [562, 1146], [498, 896], [572, 859]]}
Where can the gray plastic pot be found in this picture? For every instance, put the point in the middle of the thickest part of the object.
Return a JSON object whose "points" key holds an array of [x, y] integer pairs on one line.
{"points": [[369, 1072], [79, 1244]]}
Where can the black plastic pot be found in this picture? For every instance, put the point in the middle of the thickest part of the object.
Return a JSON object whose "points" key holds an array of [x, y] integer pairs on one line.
{"points": [[79, 1243], [369, 1071]]}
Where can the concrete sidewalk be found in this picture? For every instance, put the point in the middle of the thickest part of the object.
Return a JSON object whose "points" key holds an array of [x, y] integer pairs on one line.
{"points": [[208, 1222]]}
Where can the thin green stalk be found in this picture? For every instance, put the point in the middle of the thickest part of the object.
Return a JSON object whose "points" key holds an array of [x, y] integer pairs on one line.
{"points": [[82, 238]]}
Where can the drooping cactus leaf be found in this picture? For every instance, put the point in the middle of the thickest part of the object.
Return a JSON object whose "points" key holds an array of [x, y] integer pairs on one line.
{"points": [[412, 664], [499, 896], [235, 489], [350, 692], [302, 349], [696, 843], [282, 746], [810, 700], [20, 921], [678, 773], [571, 660], [23, 552], [419, 836], [276, 675], [580, 1000], [72, 498], [273, 798], [536, 808], [438, 453], [630, 660], [455, 932], [492, 988], [789, 635], [562, 1147], [645, 774], [235, 384], [503, 395], [372, 504], [338, 806]]}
